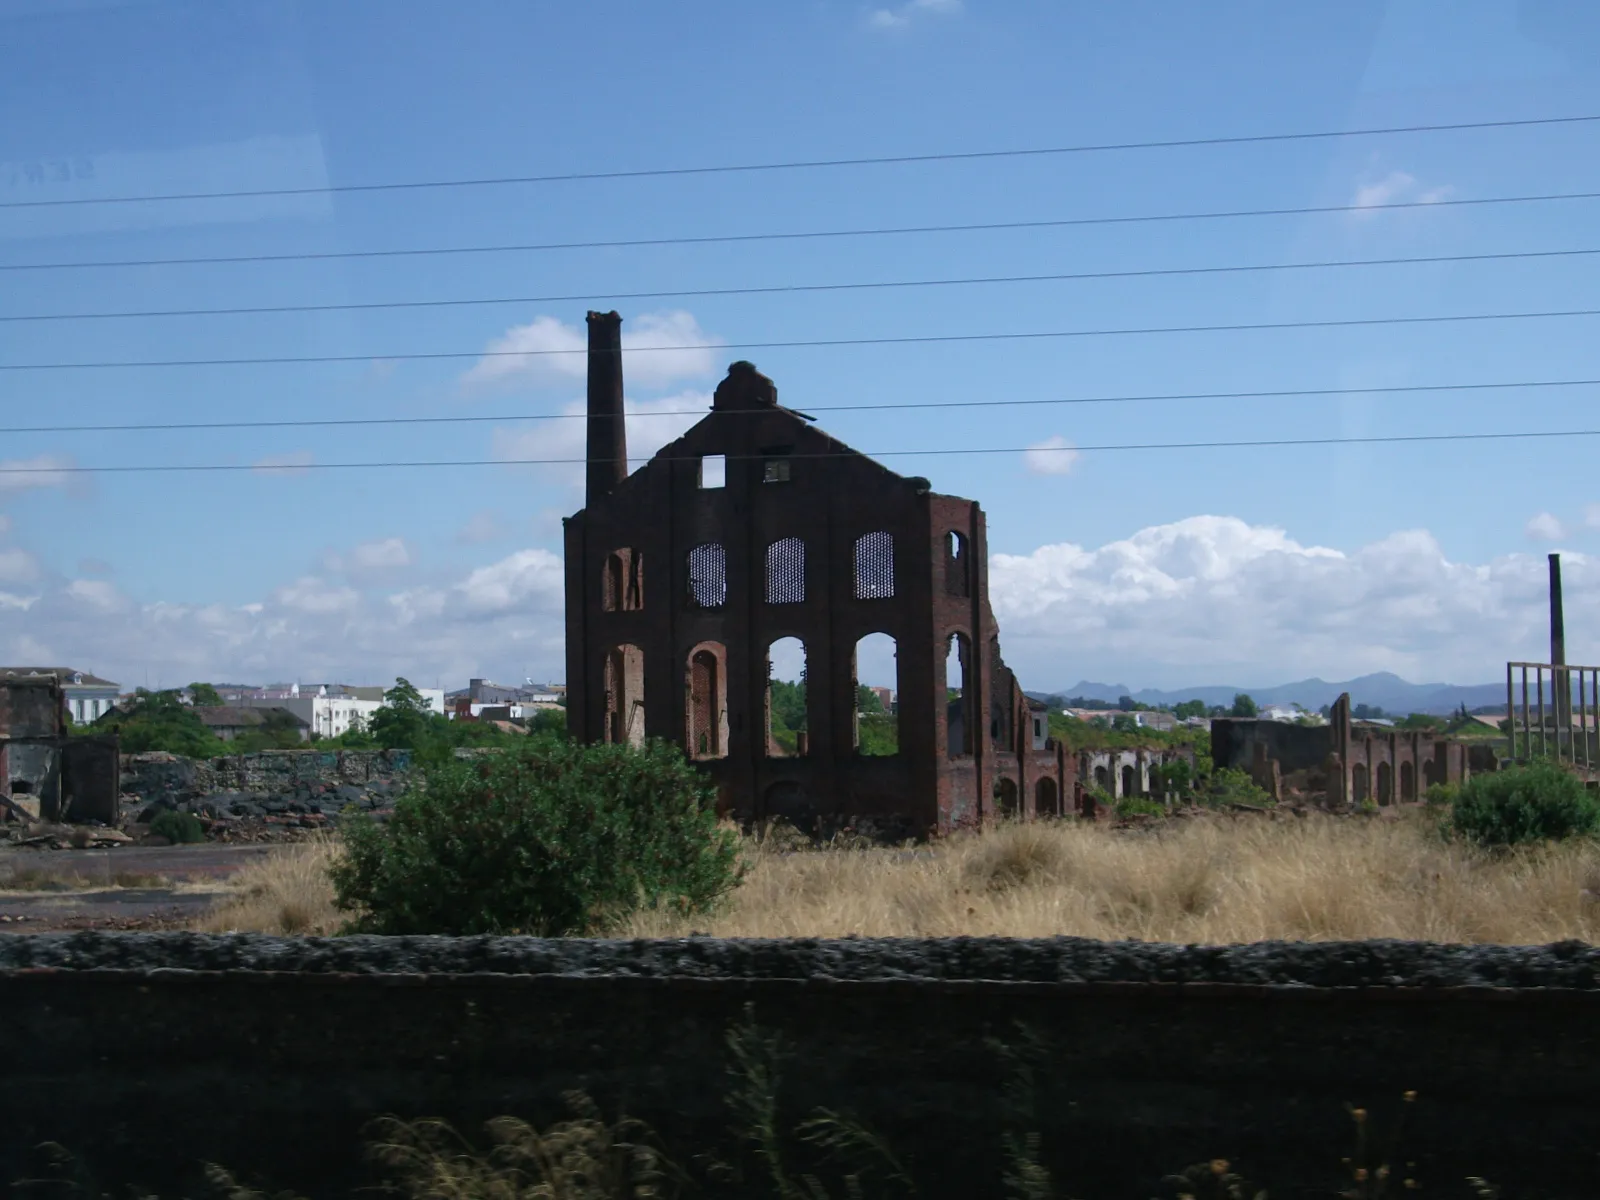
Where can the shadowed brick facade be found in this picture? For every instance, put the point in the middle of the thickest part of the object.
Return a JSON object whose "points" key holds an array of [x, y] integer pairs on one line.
{"points": [[756, 526]]}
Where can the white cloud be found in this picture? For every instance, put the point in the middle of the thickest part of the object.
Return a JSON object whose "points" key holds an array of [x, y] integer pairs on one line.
{"points": [[1208, 599], [482, 526], [658, 349], [1591, 516], [1053, 456], [18, 566], [40, 471], [1397, 187], [295, 462], [651, 424], [1545, 527], [1213, 599], [5, 525], [380, 560], [900, 18]]}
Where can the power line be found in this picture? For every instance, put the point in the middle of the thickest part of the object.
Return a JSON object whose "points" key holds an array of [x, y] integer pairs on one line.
{"points": [[340, 422], [802, 164], [909, 340], [711, 239], [797, 288], [1382, 439]]}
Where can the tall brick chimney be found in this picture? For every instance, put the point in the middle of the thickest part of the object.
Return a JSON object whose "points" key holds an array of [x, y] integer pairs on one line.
{"points": [[608, 432]]}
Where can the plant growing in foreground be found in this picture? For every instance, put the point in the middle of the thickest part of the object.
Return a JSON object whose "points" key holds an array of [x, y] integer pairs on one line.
{"points": [[179, 828], [554, 839], [1535, 803]]}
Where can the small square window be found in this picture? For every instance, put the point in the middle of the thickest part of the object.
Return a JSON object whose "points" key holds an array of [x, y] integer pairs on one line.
{"points": [[713, 470], [775, 470]]}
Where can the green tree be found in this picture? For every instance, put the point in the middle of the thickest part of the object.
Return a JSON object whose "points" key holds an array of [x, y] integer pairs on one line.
{"points": [[405, 721], [161, 721], [1189, 708], [203, 695], [868, 703], [554, 838], [1244, 706]]}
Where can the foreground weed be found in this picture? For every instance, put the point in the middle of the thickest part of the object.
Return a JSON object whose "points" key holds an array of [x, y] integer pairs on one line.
{"points": [[583, 1158], [1214, 1180]]}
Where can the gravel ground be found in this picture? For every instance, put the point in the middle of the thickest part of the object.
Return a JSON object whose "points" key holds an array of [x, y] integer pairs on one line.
{"points": [[1386, 964]]}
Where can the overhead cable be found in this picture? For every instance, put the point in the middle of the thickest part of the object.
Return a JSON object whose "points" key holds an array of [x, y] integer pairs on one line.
{"points": [[907, 340], [797, 235], [785, 289], [799, 164]]}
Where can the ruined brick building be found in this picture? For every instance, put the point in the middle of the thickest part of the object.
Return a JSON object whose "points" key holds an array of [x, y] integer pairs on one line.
{"points": [[1345, 762], [756, 526]]}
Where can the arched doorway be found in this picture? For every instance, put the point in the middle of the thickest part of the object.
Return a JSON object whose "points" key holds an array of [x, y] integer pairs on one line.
{"points": [[1046, 798], [1102, 779], [706, 702], [1130, 781], [1408, 782], [1385, 784], [1005, 796], [1359, 786]]}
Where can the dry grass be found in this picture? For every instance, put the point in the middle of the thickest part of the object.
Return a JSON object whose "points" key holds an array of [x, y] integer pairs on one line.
{"points": [[286, 893], [1208, 880]]}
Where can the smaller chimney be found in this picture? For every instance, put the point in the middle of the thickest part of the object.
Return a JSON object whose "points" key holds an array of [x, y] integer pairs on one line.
{"points": [[1558, 628], [608, 431]]}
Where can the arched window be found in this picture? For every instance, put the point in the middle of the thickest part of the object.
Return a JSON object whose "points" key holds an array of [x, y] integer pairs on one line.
{"points": [[1005, 796], [958, 695], [786, 571], [1385, 783], [875, 566], [788, 735], [875, 670], [1044, 798], [1408, 782], [1130, 781], [622, 581], [1358, 783], [624, 696], [708, 576], [956, 567], [707, 708]]}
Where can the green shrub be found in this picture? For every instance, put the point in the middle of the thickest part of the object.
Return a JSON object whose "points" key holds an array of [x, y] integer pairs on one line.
{"points": [[1538, 802], [551, 838], [1139, 806], [1441, 795], [1233, 786], [179, 828]]}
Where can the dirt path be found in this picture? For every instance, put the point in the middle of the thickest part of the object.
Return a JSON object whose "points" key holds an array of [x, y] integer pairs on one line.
{"points": [[163, 887]]}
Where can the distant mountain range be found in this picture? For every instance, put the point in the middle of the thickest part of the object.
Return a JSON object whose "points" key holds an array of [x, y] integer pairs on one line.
{"points": [[1388, 692]]}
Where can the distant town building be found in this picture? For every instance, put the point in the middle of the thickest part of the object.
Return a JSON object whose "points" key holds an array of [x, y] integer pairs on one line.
{"points": [[228, 721], [332, 709], [85, 697]]}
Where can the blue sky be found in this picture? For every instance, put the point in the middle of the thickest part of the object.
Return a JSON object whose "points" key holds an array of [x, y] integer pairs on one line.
{"points": [[1156, 568]]}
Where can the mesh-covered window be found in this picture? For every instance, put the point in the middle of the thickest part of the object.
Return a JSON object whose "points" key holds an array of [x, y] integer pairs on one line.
{"points": [[775, 470], [708, 576], [875, 566], [786, 572]]}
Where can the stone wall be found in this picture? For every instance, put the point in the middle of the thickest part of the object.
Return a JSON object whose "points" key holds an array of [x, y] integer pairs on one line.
{"points": [[148, 1053], [168, 776]]}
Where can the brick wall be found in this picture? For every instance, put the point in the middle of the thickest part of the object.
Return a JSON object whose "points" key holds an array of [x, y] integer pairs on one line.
{"points": [[147, 1053]]}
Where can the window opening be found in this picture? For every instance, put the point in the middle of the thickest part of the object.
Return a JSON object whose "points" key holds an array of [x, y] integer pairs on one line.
{"points": [[786, 571], [955, 565], [958, 695], [875, 566], [624, 696], [875, 671], [707, 712], [713, 470], [788, 735], [1005, 796], [708, 576], [775, 470]]}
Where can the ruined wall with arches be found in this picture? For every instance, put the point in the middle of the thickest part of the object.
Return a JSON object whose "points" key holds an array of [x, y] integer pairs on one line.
{"points": [[794, 586]]}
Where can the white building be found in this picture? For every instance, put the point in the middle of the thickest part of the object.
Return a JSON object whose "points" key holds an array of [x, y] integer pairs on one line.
{"points": [[85, 697], [331, 709]]}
